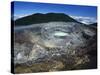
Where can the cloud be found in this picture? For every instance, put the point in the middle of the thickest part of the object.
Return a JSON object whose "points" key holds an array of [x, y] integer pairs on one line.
{"points": [[85, 20], [20, 16]]}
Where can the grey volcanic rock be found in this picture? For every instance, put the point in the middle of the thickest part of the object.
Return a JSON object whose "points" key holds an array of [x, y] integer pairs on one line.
{"points": [[59, 41]]}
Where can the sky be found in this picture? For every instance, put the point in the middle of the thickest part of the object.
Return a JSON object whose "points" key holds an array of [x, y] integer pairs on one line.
{"points": [[76, 11]]}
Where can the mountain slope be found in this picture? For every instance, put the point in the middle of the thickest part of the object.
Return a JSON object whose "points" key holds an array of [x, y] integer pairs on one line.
{"points": [[42, 18], [94, 24]]}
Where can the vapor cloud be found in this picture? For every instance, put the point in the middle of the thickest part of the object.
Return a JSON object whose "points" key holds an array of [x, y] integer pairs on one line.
{"points": [[85, 20]]}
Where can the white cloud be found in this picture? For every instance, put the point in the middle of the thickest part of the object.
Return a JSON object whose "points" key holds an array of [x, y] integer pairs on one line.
{"points": [[20, 16], [85, 20]]}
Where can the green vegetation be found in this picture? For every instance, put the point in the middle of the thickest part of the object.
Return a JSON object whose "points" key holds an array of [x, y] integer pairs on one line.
{"points": [[42, 18]]}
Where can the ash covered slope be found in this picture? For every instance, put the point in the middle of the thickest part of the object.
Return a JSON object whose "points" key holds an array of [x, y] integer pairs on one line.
{"points": [[53, 42], [58, 45], [43, 18]]}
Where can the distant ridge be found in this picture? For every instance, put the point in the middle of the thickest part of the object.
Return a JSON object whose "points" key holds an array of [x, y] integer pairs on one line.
{"points": [[94, 24], [43, 18]]}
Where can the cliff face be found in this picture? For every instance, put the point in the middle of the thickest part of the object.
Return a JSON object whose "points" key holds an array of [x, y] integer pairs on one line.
{"points": [[41, 50]]}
